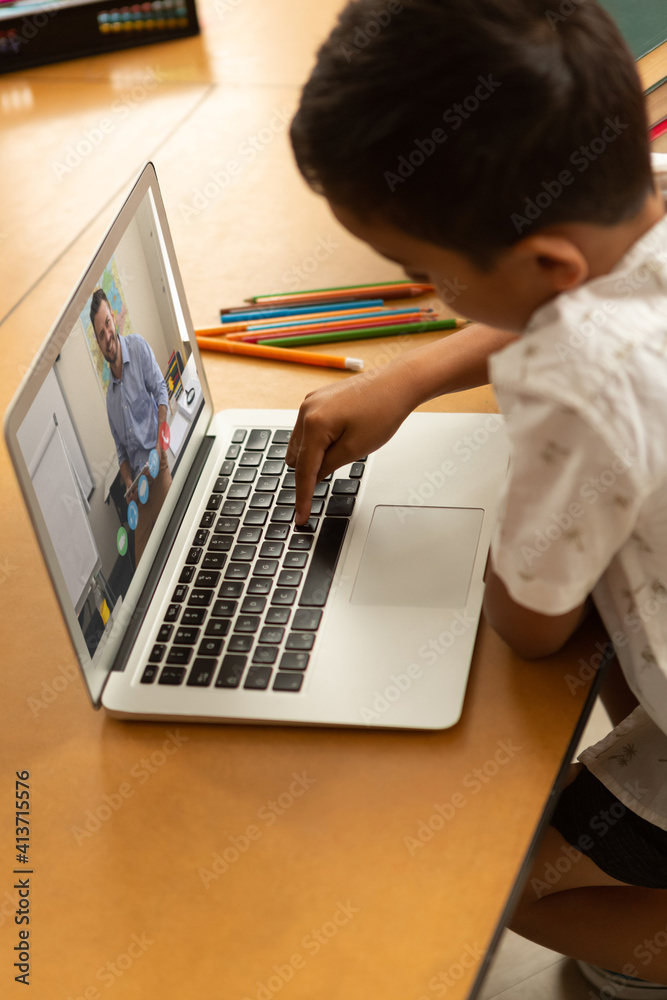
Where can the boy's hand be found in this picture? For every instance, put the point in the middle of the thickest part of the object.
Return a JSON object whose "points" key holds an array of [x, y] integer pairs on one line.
{"points": [[340, 423]]}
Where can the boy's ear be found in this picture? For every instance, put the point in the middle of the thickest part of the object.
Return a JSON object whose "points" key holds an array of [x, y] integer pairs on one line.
{"points": [[553, 260]]}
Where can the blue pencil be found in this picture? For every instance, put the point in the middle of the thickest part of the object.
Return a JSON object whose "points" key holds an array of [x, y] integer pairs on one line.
{"points": [[251, 312]]}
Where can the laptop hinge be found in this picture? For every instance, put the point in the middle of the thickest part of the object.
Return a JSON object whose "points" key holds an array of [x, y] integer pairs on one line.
{"points": [[172, 529]]}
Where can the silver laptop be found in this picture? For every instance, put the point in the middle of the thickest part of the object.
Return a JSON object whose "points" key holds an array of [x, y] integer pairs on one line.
{"points": [[168, 530]]}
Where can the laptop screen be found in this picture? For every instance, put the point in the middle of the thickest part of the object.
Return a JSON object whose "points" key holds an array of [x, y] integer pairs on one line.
{"points": [[110, 422]]}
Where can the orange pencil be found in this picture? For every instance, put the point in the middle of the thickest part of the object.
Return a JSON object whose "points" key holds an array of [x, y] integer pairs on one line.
{"points": [[280, 354]]}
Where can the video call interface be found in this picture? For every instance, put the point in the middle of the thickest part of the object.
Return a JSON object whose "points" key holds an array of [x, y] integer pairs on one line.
{"points": [[108, 427]]}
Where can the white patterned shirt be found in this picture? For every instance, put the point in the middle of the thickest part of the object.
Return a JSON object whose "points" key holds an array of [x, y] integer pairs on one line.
{"points": [[584, 511]]}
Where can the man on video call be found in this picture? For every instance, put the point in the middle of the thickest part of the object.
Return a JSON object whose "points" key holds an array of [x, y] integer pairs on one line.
{"points": [[136, 408]]}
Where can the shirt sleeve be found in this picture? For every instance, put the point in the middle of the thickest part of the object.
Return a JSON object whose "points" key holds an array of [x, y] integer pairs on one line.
{"points": [[570, 503], [153, 377]]}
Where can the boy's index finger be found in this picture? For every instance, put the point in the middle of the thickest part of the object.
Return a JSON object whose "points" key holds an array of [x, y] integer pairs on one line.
{"points": [[306, 469]]}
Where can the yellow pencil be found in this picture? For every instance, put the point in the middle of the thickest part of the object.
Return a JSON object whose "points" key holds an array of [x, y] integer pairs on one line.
{"points": [[279, 354]]}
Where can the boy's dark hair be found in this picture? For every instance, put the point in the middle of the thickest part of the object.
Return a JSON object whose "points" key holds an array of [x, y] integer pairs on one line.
{"points": [[95, 303], [471, 123]]}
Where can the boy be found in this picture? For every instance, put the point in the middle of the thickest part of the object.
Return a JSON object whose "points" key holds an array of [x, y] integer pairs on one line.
{"points": [[498, 148]]}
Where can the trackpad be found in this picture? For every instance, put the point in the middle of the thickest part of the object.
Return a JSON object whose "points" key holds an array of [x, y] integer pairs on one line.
{"points": [[418, 557]]}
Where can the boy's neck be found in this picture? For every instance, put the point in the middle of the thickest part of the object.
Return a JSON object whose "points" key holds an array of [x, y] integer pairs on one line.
{"points": [[605, 246]]}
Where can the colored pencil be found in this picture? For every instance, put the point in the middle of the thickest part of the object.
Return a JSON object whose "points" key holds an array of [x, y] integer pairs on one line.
{"points": [[312, 319], [252, 312], [253, 336], [278, 354], [389, 289], [364, 334]]}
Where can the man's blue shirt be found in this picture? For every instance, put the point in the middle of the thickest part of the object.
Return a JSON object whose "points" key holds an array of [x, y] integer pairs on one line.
{"points": [[132, 402]]}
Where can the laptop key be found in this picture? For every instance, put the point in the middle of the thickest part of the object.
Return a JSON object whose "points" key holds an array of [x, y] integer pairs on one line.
{"points": [[246, 623], [283, 596], [157, 652], [164, 633], [282, 514], [172, 612], [150, 673], [294, 661], [249, 536], [201, 537], [200, 598], [237, 571], [222, 542], [321, 489], [277, 532], [212, 560], [265, 654], [289, 578], [179, 594], [300, 640], [339, 506], [245, 475], [218, 627], [258, 440], [271, 634], [276, 451], [179, 654], [233, 451], [172, 675], [244, 553], [194, 555], [202, 672], [227, 525], [238, 437], [278, 616], [230, 588], [240, 643], [221, 484], [253, 605], [271, 550], [323, 562], [251, 458], [267, 484], [231, 671], [301, 542], [232, 508], [186, 574], [357, 470], [260, 585], [193, 616], [266, 567], [281, 436], [346, 487], [295, 560], [286, 681], [208, 517], [227, 468], [273, 468], [261, 501], [239, 491], [310, 526], [224, 609], [258, 678], [307, 619], [214, 501], [209, 647], [207, 577], [186, 635], [256, 517]]}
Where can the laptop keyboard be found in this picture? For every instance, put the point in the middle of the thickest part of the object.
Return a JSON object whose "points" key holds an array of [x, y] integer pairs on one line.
{"points": [[249, 601]]}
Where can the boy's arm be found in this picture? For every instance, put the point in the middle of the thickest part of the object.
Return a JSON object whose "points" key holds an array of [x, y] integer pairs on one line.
{"points": [[529, 634], [343, 422]]}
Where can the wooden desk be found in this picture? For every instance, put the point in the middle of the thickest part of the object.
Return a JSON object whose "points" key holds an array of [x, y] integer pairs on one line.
{"points": [[234, 862]]}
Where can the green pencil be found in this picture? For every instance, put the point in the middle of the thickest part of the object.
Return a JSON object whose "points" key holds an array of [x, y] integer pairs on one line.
{"points": [[364, 333]]}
